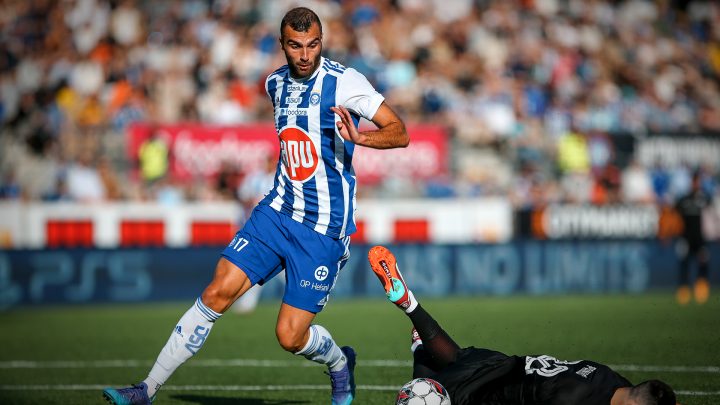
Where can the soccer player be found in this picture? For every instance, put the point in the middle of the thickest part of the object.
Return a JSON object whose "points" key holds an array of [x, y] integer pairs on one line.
{"points": [[481, 376], [692, 242], [303, 224]]}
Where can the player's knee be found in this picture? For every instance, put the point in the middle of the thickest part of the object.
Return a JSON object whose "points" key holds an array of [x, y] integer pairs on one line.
{"points": [[216, 299], [289, 339]]}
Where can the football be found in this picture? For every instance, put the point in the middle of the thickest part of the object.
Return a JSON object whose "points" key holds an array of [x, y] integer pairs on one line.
{"points": [[423, 391]]}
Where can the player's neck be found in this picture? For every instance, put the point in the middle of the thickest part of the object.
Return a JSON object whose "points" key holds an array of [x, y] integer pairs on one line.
{"points": [[621, 397]]}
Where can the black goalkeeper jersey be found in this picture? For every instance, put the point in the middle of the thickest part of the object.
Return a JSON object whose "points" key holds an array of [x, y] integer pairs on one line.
{"points": [[690, 207], [486, 377]]}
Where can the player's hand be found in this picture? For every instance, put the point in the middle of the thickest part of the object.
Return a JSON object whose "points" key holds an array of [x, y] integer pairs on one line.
{"points": [[346, 126]]}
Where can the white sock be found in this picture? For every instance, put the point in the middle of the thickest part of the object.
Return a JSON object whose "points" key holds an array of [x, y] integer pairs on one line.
{"points": [[415, 345], [152, 386], [416, 341], [413, 302], [321, 348], [187, 338]]}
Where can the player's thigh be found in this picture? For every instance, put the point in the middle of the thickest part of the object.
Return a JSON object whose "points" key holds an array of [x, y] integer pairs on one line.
{"points": [[254, 249], [228, 283], [313, 263]]}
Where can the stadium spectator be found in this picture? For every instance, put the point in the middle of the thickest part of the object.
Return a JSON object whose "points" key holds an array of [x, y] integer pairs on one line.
{"points": [[482, 376], [84, 181], [169, 192], [9, 188], [637, 184], [492, 72], [303, 224], [109, 179], [153, 158], [228, 180]]}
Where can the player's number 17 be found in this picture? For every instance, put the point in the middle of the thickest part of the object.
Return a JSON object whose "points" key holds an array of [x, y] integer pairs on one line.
{"points": [[240, 244]]}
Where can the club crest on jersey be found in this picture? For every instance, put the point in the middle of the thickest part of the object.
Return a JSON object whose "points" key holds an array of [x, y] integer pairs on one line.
{"points": [[315, 98], [298, 154]]}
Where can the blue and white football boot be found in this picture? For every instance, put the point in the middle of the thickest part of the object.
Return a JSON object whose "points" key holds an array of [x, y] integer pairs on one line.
{"points": [[343, 381], [135, 395]]}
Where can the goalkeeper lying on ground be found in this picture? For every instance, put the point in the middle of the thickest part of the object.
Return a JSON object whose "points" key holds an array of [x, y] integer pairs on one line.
{"points": [[481, 376]]}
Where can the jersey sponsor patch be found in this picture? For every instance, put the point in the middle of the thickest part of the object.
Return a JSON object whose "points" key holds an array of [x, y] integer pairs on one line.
{"points": [[321, 273], [546, 366], [296, 87], [298, 154], [585, 371], [298, 112]]}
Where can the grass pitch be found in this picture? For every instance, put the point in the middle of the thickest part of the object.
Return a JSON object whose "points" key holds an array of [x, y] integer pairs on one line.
{"points": [[67, 355]]}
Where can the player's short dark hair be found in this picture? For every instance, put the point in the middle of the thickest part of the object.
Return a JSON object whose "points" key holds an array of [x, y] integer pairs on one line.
{"points": [[653, 392], [300, 19]]}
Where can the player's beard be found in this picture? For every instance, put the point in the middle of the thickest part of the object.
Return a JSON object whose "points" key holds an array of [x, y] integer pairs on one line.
{"points": [[304, 74]]}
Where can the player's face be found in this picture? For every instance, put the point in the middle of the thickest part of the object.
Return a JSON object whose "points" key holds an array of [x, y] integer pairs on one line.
{"points": [[302, 50]]}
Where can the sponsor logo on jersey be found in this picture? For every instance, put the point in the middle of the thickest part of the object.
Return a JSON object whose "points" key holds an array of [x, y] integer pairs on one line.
{"points": [[315, 98], [314, 286], [298, 154], [546, 366], [297, 87], [298, 112], [293, 100], [321, 273], [585, 371]]}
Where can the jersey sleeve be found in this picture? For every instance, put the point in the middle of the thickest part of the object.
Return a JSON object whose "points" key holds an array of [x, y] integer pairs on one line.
{"points": [[357, 94]]}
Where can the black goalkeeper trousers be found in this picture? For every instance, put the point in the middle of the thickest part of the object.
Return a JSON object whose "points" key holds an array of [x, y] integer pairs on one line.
{"points": [[438, 349]]}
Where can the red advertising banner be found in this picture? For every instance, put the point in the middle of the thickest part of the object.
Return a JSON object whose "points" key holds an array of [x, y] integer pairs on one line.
{"points": [[199, 150]]}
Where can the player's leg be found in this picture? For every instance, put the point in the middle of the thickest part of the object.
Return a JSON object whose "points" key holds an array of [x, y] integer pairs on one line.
{"points": [[383, 263], [313, 262], [194, 327], [189, 334], [247, 302], [683, 292], [423, 364], [245, 262], [441, 348], [702, 285], [296, 334]]}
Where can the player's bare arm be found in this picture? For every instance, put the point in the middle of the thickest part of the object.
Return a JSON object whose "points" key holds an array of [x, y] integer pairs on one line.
{"points": [[391, 132]]}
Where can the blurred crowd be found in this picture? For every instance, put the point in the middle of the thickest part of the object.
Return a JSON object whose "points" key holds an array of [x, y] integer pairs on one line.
{"points": [[534, 93]]}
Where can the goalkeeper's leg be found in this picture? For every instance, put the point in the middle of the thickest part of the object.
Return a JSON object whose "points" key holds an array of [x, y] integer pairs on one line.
{"points": [[440, 347]]}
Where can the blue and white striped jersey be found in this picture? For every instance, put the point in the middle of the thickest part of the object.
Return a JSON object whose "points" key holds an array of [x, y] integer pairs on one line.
{"points": [[315, 181]]}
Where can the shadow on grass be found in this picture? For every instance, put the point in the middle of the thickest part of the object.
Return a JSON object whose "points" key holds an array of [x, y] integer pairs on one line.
{"points": [[207, 400]]}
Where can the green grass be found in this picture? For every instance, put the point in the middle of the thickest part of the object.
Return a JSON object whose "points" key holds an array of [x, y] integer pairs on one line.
{"points": [[621, 330]]}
